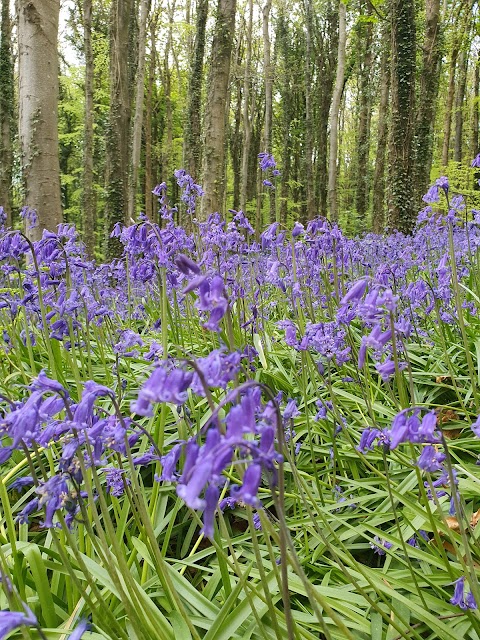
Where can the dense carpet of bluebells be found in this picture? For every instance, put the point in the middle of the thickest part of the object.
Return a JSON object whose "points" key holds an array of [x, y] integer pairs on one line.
{"points": [[224, 436]]}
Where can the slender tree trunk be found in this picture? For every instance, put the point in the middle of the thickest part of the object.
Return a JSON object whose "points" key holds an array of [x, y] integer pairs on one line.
{"points": [[192, 149], [139, 106], [167, 87], [148, 125], [235, 146], [308, 112], [247, 121], [364, 119], [118, 135], [378, 215], [326, 63], [88, 174], [268, 76], [428, 98], [216, 108], [38, 114], [6, 112], [449, 105], [402, 209], [268, 71], [475, 115], [459, 100], [335, 110]]}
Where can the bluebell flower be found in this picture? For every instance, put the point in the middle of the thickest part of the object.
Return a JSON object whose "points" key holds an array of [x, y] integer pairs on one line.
{"points": [[380, 546], [430, 459], [80, 630], [459, 598], [10, 620]]}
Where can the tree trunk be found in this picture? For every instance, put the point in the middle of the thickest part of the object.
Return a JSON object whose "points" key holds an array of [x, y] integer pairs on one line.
{"points": [[268, 71], [139, 106], [6, 112], [335, 110], [268, 76], [192, 148], [428, 98], [148, 125], [326, 63], [88, 189], [449, 106], [308, 112], [364, 119], [246, 117], [459, 99], [118, 134], [235, 148], [216, 108], [378, 215], [475, 119], [402, 210], [38, 113]]}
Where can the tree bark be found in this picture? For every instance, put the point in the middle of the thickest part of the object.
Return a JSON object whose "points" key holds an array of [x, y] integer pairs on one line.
{"points": [[118, 134], [268, 76], [308, 112], [364, 119], [326, 62], [246, 117], [192, 148], [402, 209], [268, 72], [6, 112], [475, 114], [216, 108], [449, 105], [459, 100], [335, 110], [148, 126], [88, 171], [139, 106], [378, 215], [38, 112], [428, 95]]}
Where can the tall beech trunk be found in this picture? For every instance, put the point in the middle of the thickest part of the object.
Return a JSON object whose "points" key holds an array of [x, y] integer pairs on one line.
{"points": [[88, 171], [235, 147], [326, 62], [378, 214], [308, 111], [6, 112], [335, 110], [139, 107], [268, 76], [38, 111], [216, 108], [268, 72], [364, 119], [286, 79], [459, 100], [149, 198], [447, 126], [192, 147], [427, 99], [118, 134], [246, 116], [475, 113], [402, 209]]}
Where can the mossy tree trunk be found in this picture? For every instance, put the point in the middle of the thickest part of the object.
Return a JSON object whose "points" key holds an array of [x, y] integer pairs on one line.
{"points": [[118, 133], [401, 180], [6, 112]]}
